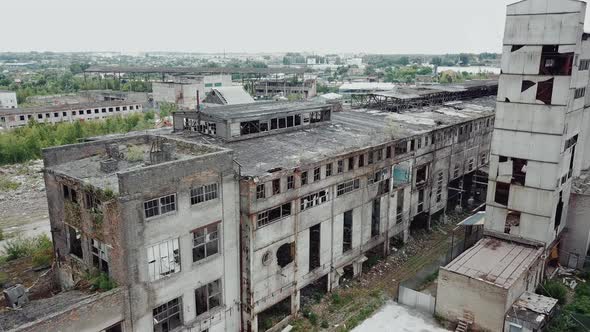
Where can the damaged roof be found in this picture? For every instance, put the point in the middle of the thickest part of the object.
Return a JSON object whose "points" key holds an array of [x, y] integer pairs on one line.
{"points": [[495, 261], [348, 131]]}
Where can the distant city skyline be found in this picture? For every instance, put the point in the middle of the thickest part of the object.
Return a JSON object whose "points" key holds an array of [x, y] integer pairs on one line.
{"points": [[256, 26]]}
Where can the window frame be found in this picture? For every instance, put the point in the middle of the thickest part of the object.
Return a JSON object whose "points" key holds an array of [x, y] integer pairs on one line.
{"points": [[209, 294], [160, 205], [204, 193], [206, 233]]}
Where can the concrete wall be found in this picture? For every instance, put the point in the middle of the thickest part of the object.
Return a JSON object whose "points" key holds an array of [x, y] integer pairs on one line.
{"points": [[8, 99], [576, 240]]}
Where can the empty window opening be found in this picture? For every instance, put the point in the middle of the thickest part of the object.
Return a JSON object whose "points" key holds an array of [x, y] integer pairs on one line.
{"points": [[571, 168], [314, 247], [100, 256], [361, 160], [439, 187], [75, 242], [276, 186], [274, 314], [114, 328], [168, 316], [328, 170], [350, 163], [204, 193], [555, 63], [163, 259], [526, 84], [316, 174], [388, 152], [519, 167], [303, 178], [512, 220], [285, 254], [205, 242], [70, 194], [558, 211], [401, 148], [421, 174], [271, 215], [370, 158], [260, 191], [376, 217], [545, 91], [502, 193], [347, 232], [208, 297], [515, 48]]}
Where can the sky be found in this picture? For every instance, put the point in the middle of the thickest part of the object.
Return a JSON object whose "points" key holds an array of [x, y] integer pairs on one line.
{"points": [[215, 26]]}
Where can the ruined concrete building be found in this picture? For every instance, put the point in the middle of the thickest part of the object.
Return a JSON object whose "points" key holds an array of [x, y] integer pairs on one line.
{"points": [[271, 87], [540, 145], [228, 217], [183, 90]]}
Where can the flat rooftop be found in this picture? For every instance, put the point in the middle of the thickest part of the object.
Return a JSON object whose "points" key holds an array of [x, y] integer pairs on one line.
{"points": [[412, 92], [495, 261], [134, 154], [348, 131], [258, 109], [64, 107]]}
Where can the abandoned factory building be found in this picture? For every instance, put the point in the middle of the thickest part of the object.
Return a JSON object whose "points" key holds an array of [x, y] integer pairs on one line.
{"points": [[240, 207]]}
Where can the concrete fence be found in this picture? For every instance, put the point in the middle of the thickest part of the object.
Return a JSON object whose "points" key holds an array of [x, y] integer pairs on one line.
{"points": [[417, 300]]}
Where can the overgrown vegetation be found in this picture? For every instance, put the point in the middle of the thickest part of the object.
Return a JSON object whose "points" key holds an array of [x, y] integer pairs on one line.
{"points": [[573, 316], [101, 281], [25, 143], [39, 248], [554, 289], [7, 184]]}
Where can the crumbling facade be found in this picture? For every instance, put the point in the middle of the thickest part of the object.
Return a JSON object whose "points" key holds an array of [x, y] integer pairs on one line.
{"points": [[157, 216], [183, 90], [271, 87]]}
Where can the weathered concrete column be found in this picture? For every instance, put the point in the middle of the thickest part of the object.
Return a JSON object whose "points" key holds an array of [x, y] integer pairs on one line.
{"points": [[295, 302]]}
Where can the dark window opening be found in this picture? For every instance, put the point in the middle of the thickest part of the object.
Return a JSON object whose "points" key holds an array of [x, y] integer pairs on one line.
{"points": [[502, 193], [303, 178], [289, 121], [515, 48], [274, 124], [420, 206], [559, 211], [422, 174], [260, 191], [400, 207], [572, 161], [545, 91], [314, 247], [276, 186], [512, 220], [208, 297], [350, 163], [297, 119], [555, 63], [168, 316], [526, 84], [347, 232], [114, 328], [249, 127], [290, 182], [282, 123], [285, 254], [316, 174], [401, 148], [376, 217], [388, 152], [370, 158], [328, 170], [519, 171], [361, 160], [75, 239]]}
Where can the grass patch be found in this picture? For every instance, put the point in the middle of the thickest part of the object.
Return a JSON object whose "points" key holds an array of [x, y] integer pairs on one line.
{"points": [[101, 281], [337, 302], [554, 289], [362, 315], [8, 185], [40, 248]]}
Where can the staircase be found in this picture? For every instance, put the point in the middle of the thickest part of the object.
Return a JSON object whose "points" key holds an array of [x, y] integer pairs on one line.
{"points": [[465, 322]]}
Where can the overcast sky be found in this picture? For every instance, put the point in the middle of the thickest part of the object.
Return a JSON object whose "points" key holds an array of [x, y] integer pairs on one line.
{"points": [[368, 26]]}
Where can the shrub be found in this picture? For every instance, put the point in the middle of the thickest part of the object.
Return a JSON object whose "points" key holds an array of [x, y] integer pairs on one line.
{"points": [[101, 281], [38, 247], [324, 324], [8, 185], [554, 289], [1, 235], [134, 153]]}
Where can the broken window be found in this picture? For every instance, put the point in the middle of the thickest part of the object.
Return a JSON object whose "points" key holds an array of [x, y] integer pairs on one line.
{"points": [[285, 254], [158, 206], [260, 191], [378, 176], [518, 171], [512, 220], [388, 152], [204, 193], [419, 140], [340, 166], [282, 123], [314, 199], [361, 160], [558, 211], [271, 215], [420, 206], [70, 194], [571, 168], [75, 241], [205, 242], [502, 192], [555, 63], [350, 163], [379, 154], [347, 232], [297, 119], [168, 316], [376, 217], [413, 145], [347, 187], [526, 84], [100, 256], [276, 186], [314, 247], [290, 182], [163, 259], [290, 121], [421, 174], [274, 124], [303, 178], [328, 170], [370, 159], [208, 297], [316, 174]]}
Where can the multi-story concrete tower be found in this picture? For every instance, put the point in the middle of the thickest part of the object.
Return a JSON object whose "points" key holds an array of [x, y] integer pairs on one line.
{"points": [[540, 118]]}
